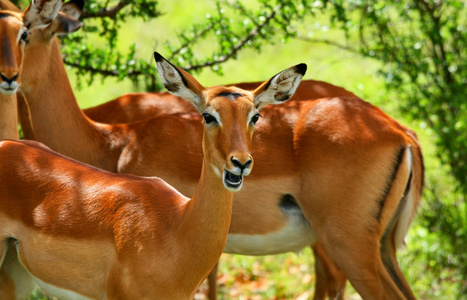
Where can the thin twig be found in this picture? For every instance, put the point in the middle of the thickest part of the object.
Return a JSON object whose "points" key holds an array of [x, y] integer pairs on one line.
{"points": [[103, 72], [328, 42], [106, 12], [192, 41], [254, 32]]}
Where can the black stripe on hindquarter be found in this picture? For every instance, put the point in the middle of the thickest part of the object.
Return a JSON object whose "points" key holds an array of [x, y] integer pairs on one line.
{"points": [[389, 181]]}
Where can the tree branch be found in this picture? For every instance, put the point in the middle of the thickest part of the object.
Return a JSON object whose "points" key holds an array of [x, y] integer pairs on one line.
{"points": [[192, 41], [254, 32], [103, 72], [328, 42], [106, 12]]}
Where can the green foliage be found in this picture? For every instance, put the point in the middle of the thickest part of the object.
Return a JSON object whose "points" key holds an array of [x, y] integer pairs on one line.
{"points": [[231, 27], [423, 45], [93, 50]]}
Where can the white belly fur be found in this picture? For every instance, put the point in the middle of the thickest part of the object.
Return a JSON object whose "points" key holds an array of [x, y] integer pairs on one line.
{"points": [[291, 238]]}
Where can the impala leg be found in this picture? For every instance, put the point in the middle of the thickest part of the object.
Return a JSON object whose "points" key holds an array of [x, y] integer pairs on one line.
{"points": [[357, 251], [212, 283], [15, 281], [7, 286], [330, 280]]}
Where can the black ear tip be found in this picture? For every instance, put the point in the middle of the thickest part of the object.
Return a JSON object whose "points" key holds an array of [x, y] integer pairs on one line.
{"points": [[158, 57], [301, 68]]}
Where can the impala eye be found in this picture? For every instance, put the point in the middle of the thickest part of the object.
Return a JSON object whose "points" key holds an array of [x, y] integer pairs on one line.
{"points": [[24, 36], [208, 119], [255, 118]]}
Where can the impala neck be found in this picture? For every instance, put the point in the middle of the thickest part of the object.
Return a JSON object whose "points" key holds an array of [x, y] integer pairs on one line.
{"points": [[8, 117], [205, 223], [56, 118]]}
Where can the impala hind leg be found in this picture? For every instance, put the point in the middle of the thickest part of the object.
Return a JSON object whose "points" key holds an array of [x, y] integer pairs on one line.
{"points": [[212, 283], [330, 280], [356, 250]]}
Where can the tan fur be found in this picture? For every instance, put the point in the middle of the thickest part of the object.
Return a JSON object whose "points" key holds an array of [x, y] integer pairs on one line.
{"points": [[8, 117], [101, 235], [341, 151]]}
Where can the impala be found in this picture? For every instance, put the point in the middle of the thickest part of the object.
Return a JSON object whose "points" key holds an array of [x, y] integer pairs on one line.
{"points": [[338, 170], [9, 71], [84, 232], [11, 56]]}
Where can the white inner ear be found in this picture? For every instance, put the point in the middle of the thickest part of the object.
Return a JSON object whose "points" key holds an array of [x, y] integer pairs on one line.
{"points": [[51, 9], [175, 85], [38, 18], [286, 82]]}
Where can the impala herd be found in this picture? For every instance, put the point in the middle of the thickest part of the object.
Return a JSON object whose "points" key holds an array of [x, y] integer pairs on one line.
{"points": [[77, 218]]}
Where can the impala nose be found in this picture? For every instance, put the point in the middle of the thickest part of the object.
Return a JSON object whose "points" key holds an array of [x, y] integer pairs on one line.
{"points": [[241, 166], [7, 79]]}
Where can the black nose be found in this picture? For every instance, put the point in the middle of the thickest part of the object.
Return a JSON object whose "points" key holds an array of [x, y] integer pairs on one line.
{"points": [[9, 80], [239, 164]]}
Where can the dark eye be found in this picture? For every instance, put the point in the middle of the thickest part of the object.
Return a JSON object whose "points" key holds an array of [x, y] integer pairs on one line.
{"points": [[255, 118], [24, 36], [209, 119]]}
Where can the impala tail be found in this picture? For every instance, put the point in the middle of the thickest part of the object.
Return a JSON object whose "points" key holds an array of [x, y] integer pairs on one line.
{"points": [[410, 174]]}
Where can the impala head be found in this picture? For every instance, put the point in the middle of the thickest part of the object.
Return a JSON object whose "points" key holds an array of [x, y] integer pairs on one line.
{"points": [[230, 115], [12, 34], [40, 22]]}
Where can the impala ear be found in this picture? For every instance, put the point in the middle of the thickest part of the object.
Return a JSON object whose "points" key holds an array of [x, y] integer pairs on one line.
{"points": [[280, 87], [63, 24], [180, 83], [41, 13], [73, 8]]}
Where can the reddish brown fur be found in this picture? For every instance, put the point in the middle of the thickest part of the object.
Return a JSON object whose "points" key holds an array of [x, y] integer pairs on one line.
{"points": [[317, 137], [121, 235]]}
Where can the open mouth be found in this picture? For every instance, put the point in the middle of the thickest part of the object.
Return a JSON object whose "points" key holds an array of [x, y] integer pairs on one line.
{"points": [[7, 91], [232, 181]]}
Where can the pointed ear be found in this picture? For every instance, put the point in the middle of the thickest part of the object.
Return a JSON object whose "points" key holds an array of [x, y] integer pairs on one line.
{"points": [[73, 8], [280, 87], [41, 13], [63, 24], [180, 83]]}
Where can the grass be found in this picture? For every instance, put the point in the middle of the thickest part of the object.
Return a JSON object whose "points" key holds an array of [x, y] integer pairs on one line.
{"points": [[285, 276]]}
